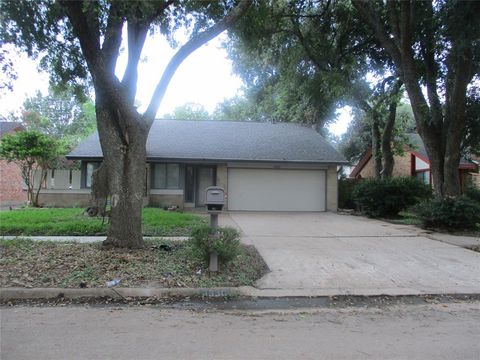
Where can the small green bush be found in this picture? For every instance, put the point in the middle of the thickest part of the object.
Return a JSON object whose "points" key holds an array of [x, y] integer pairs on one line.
{"points": [[387, 197], [473, 193], [345, 191], [225, 241], [461, 213]]}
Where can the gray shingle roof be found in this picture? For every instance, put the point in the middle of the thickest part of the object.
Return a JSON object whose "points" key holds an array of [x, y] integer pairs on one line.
{"points": [[416, 142], [228, 141]]}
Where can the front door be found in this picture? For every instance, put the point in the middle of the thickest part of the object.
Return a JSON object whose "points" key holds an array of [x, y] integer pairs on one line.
{"points": [[190, 185], [205, 178]]}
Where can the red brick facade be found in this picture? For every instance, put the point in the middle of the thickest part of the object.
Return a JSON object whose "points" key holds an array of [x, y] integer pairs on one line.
{"points": [[405, 166], [11, 185]]}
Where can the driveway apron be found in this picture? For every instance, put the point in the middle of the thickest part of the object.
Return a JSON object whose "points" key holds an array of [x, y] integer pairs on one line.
{"points": [[311, 252]]}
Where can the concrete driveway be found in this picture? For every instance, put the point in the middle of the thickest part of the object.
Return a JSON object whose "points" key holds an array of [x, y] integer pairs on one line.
{"points": [[327, 253]]}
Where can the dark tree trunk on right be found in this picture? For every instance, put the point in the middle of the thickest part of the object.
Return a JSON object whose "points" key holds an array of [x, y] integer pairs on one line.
{"points": [[432, 49]]}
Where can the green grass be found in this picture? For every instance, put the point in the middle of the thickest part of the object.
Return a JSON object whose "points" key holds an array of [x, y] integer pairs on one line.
{"points": [[26, 263], [409, 218], [158, 222], [72, 222]]}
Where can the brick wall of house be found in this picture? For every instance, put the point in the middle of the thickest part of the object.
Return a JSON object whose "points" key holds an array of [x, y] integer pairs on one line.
{"points": [[402, 167], [474, 179], [61, 199], [157, 200], [332, 188], [11, 185], [367, 171]]}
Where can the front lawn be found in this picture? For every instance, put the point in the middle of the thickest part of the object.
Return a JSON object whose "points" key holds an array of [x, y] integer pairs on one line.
{"points": [[72, 222], [26, 263]]}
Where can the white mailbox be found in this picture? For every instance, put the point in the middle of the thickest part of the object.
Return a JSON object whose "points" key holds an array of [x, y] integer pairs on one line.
{"points": [[214, 198]]}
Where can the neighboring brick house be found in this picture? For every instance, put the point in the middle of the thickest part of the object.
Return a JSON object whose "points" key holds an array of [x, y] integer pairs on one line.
{"points": [[11, 182], [474, 177], [414, 162]]}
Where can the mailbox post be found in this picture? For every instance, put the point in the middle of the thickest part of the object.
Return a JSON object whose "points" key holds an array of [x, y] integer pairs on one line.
{"points": [[215, 201]]}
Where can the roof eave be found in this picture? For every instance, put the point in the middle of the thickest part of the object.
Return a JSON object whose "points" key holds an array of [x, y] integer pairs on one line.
{"points": [[218, 160]]}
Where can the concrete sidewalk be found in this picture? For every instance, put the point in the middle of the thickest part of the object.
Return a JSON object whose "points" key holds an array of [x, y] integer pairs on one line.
{"points": [[85, 239], [458, 240]]}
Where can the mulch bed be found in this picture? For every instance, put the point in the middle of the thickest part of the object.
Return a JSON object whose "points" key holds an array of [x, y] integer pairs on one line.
{"points": [[162, 263]]}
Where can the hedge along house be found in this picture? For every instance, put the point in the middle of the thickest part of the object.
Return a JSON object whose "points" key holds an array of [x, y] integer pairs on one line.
{"points": [[413, 162], [261, 166]]}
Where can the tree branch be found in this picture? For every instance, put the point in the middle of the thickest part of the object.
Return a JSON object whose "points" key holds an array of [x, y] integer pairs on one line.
{"points": [[137, 33], [393, 19], [99, 68], [431, 68], [404, 62], [372, 17], [188, 48], [292, 3], [460, 73], [298, 33], [89, 42], [113, 36], [405, 29]]}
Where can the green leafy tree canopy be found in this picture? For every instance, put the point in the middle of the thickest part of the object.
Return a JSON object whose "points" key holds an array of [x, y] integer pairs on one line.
{"points": [[34, 153], [60, 115], [189, 111]]}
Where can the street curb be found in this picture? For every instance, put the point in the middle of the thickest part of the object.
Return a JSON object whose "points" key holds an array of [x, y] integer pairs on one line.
{"points": [[7, 294], [10, 294]]}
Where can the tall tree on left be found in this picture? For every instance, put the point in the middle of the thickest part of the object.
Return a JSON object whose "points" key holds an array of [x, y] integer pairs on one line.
{"points": [[82, 39]]}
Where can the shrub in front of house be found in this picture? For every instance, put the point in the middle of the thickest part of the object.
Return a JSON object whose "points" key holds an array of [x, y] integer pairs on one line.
{"points": [[225, 241], [455, 213], [473, 193], [387, 197], [345, 192]]}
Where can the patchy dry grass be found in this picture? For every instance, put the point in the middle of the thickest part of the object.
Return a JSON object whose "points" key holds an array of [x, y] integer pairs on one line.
{"points": [[25, 263], [72, 221]]}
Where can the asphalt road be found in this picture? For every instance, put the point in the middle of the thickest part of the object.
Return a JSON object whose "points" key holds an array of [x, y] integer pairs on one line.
{"points": [[434, 331]]}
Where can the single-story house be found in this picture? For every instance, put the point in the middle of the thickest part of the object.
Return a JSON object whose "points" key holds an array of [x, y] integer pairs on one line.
{"points": [[11, 181], [262, 166], [413, 162]]}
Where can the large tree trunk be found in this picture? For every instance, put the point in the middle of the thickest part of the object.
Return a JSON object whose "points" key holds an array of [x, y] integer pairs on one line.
{"points": [[429, 125], [388, 160], [376, 145], [452, 186], [440, 125], [123, 169], [436, 159], [122, 131], [455, 121]]}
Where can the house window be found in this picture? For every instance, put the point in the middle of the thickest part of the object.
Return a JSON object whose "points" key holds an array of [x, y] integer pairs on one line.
{"points": [[90, 168], [166, 176], [424, 176]]}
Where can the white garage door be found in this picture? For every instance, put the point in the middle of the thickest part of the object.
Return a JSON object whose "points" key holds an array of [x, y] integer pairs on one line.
{"points": [[276, 190]]}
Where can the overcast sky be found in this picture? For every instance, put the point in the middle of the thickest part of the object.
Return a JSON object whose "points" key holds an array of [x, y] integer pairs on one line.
{"points": [[205, 77]]}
